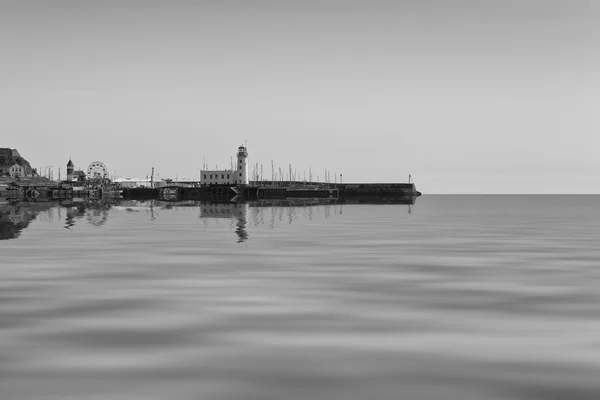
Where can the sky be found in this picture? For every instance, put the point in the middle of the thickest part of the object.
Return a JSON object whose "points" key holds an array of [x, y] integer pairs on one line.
{"points": [[466, 96]]}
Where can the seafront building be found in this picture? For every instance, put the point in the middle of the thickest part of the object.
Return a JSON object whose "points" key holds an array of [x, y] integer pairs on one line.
{"points": [[237, 176], [72, 175], [14, 171]]}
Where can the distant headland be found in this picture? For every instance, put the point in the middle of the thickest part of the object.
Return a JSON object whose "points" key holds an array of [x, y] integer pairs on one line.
{"points": [[13, 165]]}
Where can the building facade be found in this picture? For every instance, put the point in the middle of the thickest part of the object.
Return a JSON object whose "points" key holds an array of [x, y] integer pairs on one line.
{"points": [[15, 170], [238, 176]]}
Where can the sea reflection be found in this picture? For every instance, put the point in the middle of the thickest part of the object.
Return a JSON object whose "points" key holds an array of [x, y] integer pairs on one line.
{"points": [[17, 216], [243, 214], [468, 298]]}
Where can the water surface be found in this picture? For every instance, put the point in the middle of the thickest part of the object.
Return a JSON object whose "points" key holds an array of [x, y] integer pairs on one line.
{"points": [[454, 297]]}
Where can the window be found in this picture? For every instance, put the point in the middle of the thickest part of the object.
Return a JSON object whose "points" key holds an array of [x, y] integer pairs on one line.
{"points": [[240, 167], [204, 176], [240, 174], [222, 176], [210, 176], [227, 176]]}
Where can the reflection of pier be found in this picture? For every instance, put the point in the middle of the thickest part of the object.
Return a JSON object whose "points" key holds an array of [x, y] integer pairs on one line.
{"points": [[15, 216], [270, 211]]}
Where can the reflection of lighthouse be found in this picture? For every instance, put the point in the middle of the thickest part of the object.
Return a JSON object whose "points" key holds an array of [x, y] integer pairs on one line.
{"points": [[235, 211], [240, 229]]}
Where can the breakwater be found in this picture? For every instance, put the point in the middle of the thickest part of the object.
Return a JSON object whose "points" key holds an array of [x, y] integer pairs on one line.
{"points": [[371, 192]]}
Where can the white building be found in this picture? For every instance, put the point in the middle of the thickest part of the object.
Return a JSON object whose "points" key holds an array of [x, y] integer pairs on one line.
{"points": [[16, 171], [238, 176]]}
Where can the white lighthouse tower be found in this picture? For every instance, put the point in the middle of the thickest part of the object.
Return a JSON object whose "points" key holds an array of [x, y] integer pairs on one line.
{"points": [[242, 166]]}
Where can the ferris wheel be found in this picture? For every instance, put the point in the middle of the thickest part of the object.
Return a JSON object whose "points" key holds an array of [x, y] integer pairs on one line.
{"points": [[97, 170]]}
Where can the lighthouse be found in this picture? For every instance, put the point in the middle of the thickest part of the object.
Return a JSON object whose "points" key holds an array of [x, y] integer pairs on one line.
{"points": [[236, 175], [242, 169], [70, 170]]}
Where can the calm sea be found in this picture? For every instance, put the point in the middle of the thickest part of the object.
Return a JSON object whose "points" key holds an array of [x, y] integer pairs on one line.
{"points": [[454, 297]]}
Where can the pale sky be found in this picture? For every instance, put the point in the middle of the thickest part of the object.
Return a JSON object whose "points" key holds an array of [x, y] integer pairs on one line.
{"points": [[467, 96]]}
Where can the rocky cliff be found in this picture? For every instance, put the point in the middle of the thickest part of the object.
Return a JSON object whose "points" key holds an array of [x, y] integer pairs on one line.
{"points": [[11, 157]]}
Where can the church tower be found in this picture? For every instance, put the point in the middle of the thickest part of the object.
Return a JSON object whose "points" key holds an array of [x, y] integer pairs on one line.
{"points": [[242, 169], [70, 170]]}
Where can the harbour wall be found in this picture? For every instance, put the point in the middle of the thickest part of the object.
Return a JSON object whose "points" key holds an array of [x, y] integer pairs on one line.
{"points": [[373, 191]]}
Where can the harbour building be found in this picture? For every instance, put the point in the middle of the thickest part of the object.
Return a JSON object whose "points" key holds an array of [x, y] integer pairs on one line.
{"points": [[72, 175], [14, 171], [237, 176]]}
